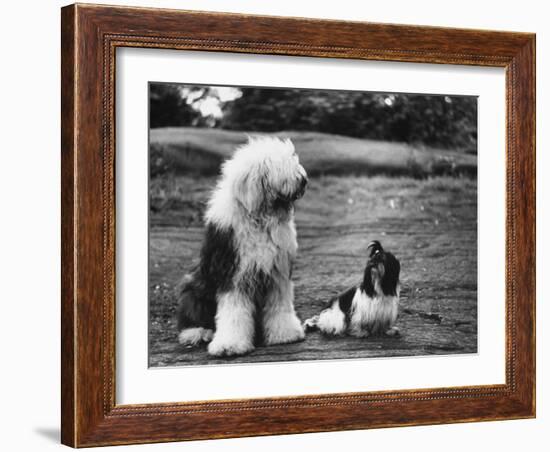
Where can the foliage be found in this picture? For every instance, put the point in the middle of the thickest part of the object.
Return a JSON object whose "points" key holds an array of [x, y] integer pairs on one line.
{"points": [[167, 107], [158, 162], [430, 120], [172, 105], [442, 121]]}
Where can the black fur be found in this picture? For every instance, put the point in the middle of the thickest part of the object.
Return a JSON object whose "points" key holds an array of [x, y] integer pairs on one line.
{"points": [[392, 268], [345, 299], [197, 292], [214, 275], [283, 203], [389, 282], [391, 275]]}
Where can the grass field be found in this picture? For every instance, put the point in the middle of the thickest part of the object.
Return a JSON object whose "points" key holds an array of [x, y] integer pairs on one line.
{"points": [[200, 151], [430, 224]]}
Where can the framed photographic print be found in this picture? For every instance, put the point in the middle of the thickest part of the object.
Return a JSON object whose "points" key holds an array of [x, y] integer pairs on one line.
{"points": [[281, 225]]}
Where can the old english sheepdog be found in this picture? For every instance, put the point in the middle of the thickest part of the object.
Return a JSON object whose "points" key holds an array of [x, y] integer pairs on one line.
{"points": [[241, 294], [369, 308]]}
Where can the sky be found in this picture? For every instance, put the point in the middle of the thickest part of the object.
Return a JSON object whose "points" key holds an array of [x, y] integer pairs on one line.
{"points": [[211, 105]]}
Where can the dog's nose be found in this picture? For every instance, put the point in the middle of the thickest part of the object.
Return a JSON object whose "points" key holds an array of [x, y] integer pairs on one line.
{"points": [[303, 182]]}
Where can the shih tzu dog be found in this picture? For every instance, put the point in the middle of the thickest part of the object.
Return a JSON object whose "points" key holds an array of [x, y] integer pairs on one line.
{"points": [[241, 292], [369, 308]]}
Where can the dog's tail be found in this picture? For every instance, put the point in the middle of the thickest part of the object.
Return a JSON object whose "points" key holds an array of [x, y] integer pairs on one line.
{"points": [[184, 297], [192, 310], [196, 303], [195, 321]]}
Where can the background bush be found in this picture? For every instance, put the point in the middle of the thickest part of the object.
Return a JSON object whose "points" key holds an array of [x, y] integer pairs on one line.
{"points": [[432, 120]]}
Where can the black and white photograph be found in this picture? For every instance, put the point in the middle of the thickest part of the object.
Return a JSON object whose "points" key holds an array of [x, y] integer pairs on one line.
{"points": [[294, 224]]}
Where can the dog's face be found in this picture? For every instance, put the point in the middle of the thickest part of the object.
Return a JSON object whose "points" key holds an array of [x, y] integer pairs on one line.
{"points": [[381, 272], [269, 176]]}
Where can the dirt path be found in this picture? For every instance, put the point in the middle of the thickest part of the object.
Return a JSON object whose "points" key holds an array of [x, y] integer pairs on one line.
{"points": [[429, 225]]}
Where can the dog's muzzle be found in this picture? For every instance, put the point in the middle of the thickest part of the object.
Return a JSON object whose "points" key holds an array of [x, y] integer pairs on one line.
{"points": [[285, 201], [301, 188]]}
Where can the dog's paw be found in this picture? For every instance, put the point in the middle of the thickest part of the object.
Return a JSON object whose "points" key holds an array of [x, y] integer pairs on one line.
{"points": [[285, 332], [392, 332], [310, 324], [332, 322], [221, 348], [358, 332], [194, 336]]}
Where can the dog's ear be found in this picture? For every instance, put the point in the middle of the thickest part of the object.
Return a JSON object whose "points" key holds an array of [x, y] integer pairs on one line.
{"points": [[390, 280], [250, 190], [242, 192], [368, 280]]}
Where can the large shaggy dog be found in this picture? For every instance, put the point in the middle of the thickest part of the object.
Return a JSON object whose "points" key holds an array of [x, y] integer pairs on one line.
{"points": [[369, 308], [241, 293]]}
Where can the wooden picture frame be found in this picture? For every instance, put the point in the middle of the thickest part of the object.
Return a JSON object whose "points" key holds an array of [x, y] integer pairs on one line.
{"points": [[90, 36]]}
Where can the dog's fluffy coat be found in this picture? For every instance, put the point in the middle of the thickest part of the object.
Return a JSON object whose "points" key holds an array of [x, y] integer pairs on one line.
{"points": [[369, 308], [241, 292]]}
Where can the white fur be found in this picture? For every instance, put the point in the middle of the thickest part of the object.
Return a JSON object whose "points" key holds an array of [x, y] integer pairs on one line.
{"points": [[368, 313], [332, 320], [234, 326], [194, 336], [281, 325], [234, 199], [265, 240]]}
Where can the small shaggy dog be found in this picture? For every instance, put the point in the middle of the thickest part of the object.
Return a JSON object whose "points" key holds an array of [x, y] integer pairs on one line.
{"points": [[369, 308], [241, 293]]}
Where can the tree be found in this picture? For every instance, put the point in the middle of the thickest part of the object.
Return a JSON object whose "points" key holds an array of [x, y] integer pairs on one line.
{"points": [[168, 107], [433, 120]]}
